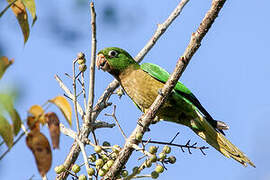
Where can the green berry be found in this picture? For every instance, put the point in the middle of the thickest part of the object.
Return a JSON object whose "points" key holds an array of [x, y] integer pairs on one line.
{"points": [[162, 156], [76, 168], [154, 175], [105, 157], [59, 169], [116, 148], [80, 55], [110, 163], [82, 67], [124, 173], [114, 155], [139, 136], [98, 149], [153, 149], [135, 170], [90, 171], [153, 158], [82, 177], [159, 169], [102, 172], [106, 143], [99, 162], [98, 167], [172, 159], [92, 158], [166, 149], [81, 61], [148, 163]]}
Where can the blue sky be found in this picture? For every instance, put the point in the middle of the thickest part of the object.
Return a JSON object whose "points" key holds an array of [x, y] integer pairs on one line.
{"points": [[229, 74]]}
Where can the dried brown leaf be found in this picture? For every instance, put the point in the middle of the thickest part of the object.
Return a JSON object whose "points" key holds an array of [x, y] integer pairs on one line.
{"points": [[53, 123], [40, 147]]}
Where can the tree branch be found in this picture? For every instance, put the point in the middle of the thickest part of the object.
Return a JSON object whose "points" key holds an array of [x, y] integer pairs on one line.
{"points": [[145, 119]]}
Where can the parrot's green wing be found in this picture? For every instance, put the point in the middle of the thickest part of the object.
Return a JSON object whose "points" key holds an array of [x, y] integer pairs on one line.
{"points": [[162, 75]]}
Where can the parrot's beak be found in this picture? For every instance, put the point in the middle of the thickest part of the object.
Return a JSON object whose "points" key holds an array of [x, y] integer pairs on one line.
{"points": [[101, 62]]}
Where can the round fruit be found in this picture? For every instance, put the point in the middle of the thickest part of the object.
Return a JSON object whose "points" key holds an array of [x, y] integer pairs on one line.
{"points": [[162, 156], [124, 173], [82, 177], [82, 67], [154, 175], [172, 159], [99, 162], [106, 143], [90, 171], [153, 149], [166, 149], [76, 168], [59, 169], [153, 158], [159, 169], [92, 158], [98, 149], [80, 55]]}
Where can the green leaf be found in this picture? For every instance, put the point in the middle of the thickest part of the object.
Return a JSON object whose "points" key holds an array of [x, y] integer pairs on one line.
{"points": [[31, 6], [16, 122], [6, 100], [6, 131]]}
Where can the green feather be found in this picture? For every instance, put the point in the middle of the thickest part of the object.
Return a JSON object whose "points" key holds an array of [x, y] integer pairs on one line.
{"points": [[162, 75]]}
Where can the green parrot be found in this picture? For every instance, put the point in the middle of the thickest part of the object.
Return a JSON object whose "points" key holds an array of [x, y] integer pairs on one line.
{"points": [[142, 84]]}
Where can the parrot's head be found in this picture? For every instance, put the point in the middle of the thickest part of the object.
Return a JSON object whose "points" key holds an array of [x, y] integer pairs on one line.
{"points": [[114, 60]]}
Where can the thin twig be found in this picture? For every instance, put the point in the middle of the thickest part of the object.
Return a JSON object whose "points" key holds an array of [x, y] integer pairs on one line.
{"points": [[75, 95], [174, 137], [84, 155], [183, 61], [69, 94], [83, 90], [16, 141], [187, 145], [92, 63], [6, 8], [116, 120]]}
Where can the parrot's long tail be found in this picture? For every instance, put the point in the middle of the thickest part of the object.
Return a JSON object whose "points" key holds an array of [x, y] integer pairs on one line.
{"points": [[218, 141]]}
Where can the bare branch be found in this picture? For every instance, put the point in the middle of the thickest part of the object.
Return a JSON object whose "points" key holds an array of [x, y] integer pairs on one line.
{"points": [[92, 65], [69, 94], [183, 61], [160, 30], [75, 95], [116, 120]]}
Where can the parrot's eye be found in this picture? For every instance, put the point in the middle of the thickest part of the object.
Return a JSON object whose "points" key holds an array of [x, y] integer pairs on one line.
{"points": [[112, 53]]}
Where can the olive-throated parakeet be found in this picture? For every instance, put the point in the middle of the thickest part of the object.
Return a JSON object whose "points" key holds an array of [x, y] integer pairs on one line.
{"points": [[142, 83]]}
